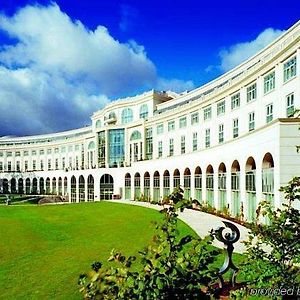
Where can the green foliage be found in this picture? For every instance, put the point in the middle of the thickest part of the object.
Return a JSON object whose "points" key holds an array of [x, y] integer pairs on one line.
{"points": [[273, 249], [171, 267]]}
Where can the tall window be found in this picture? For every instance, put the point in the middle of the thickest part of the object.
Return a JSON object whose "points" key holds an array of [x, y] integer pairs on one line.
{"points": [[221, 133], [127, 115], [235, 128], [49, 164], [160, 129], [251, 92], [251, 121], [221, 108], [207, 113], [195, 141], [269, 112], [235, 101], [182, 144], [160, 149], [171, 125], [182, 122], [171, 147], [289, 69], [101, 149], [194, 118], [149, 143], [207, 138], [290, 105], [116, 149], [269, 82], [144, 111]]}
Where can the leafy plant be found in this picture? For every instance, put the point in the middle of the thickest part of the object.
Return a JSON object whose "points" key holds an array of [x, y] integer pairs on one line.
{"points": [[273, 249], [170, 267]]}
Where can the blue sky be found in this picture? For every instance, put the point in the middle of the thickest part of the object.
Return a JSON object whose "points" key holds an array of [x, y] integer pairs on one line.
{"points": [[60, 61]]}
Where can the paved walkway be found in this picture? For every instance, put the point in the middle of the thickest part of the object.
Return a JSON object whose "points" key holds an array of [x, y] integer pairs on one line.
{"points": [[200, 222]]}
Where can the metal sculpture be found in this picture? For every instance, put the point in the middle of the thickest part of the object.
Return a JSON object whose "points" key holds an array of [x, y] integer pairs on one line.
{"points": [[228, 239]]}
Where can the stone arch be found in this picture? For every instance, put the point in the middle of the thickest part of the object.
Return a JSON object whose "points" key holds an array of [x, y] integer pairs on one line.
{"points": [[81, 188], [106, 187], [90, 187]]}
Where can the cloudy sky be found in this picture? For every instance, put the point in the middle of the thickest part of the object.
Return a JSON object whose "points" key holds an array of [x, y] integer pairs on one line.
{"points": [[60, 61]]}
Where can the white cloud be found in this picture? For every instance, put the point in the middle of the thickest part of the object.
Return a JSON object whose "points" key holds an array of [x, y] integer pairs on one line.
{"points": [[235, 54], [58, 71], [175, 85]]}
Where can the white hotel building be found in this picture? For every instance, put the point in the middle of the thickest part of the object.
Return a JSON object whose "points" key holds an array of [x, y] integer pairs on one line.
{"points": [[231, 142]]}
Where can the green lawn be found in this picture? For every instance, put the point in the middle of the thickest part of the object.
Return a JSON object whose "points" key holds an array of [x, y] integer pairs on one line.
{"points": [[43, 249]]}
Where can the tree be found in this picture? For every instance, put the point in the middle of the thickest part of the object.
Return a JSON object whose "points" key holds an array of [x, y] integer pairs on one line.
{"points": [[171, 267], [273, 250]]}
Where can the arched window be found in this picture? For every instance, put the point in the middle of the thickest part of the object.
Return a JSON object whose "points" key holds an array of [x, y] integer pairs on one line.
{"points": [[144, 111], [91, 146], [136, 135], [112, 115], [127, 115]]}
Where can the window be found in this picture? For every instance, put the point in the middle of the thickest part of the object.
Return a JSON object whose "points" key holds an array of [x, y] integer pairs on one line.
{"points": [[144, 111], [207, 138], [251, 121], [18, 153], [9, 166], [289, 69], [171, 125], [160, 129], [33, 152], [127, 115], [149, 143], [63, 163], [160, 149], [116, 146], [56, 150], [1, 166], [251, 92], [221, 133], [182, 122], [9, 154], [26, 153], [194, 118], [18, 168], [26, 165], [235, 101], [49, 151], [269, 82], [290, 105], [98, 123], [42, 165], [207, 113], [195, 141], [269, 112], [182, 144], [235, 130], [49, 164], [221, 108], [171, 147], [34, 165], [42, 152]]}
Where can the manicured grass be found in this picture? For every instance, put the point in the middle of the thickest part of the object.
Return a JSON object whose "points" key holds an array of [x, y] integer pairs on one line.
{"points": [[43, 249]]}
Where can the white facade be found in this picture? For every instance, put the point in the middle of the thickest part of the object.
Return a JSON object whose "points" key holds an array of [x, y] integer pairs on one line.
{"points": [[230, 143]]}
